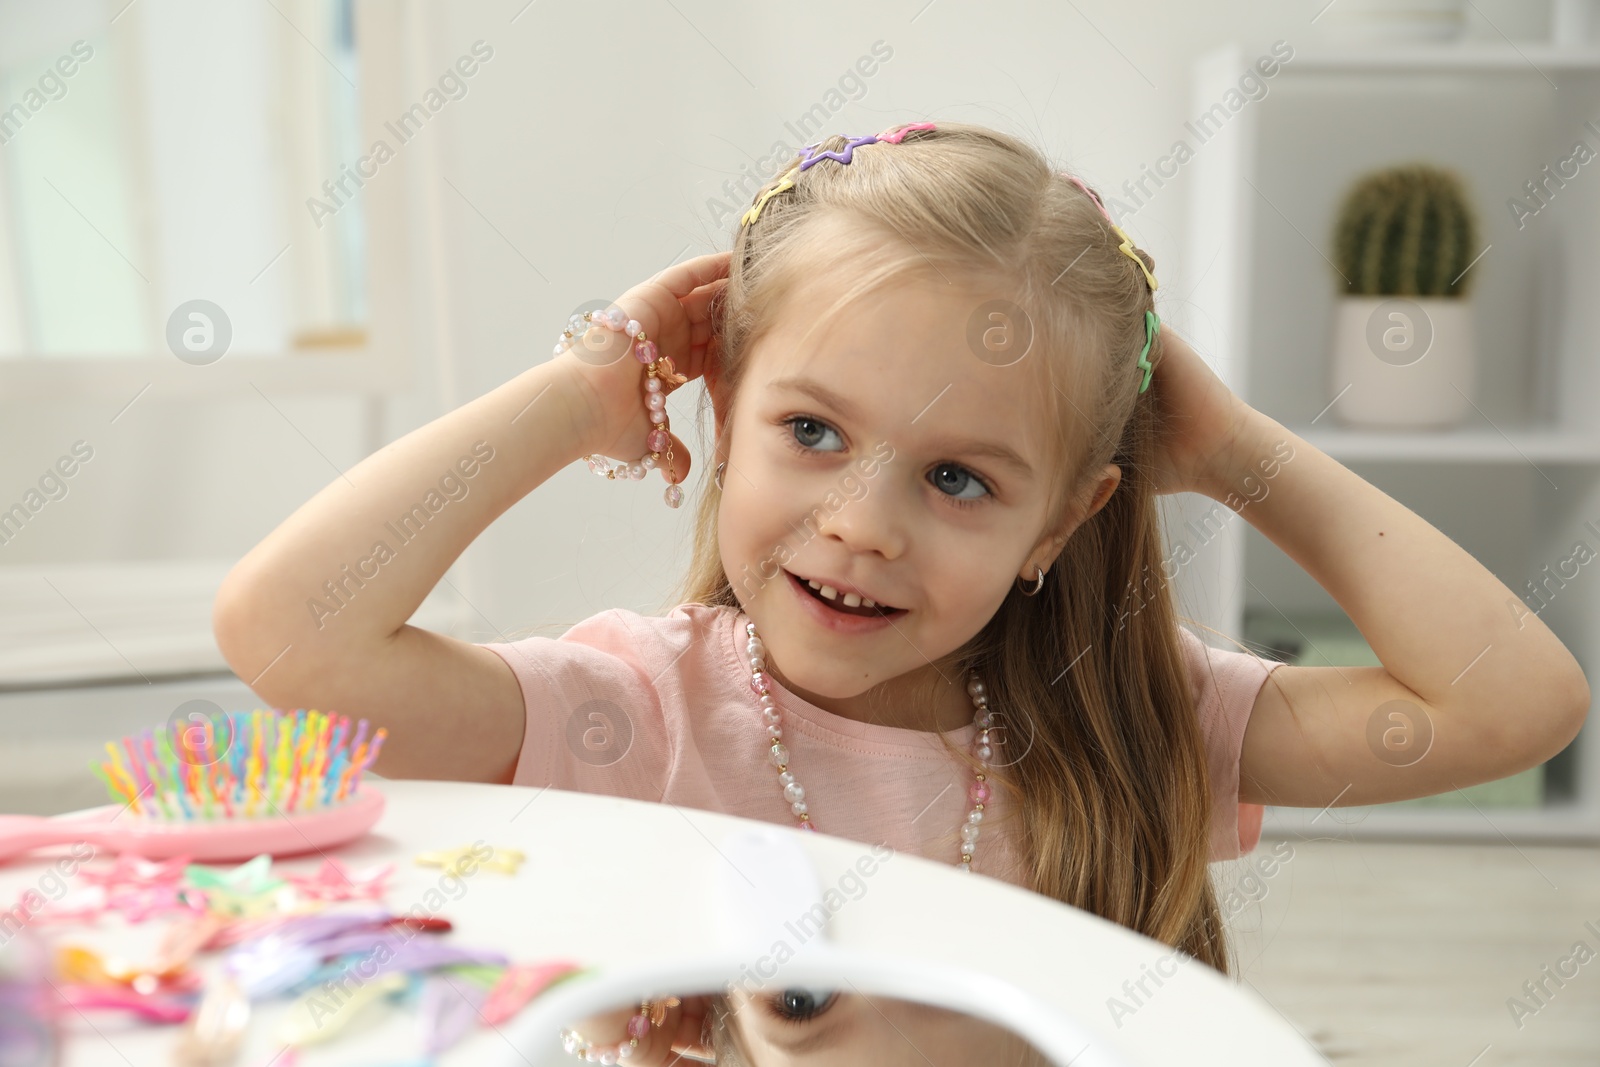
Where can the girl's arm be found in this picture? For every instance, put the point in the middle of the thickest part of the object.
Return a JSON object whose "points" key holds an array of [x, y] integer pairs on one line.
{"points": [[1473, 685], [315, 615]]}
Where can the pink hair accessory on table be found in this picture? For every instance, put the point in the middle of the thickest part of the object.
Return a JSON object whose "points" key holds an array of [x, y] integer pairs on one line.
{"points": [[128, 870], [140, 889], [334, 882], [520, 983], [154, 1007]]}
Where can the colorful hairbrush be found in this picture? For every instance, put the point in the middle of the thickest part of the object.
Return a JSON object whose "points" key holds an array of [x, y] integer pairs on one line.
{"points": [[229, 786]]}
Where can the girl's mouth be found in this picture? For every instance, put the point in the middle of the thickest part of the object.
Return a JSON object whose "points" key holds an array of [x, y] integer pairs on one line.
{"points": [[837, 601]]}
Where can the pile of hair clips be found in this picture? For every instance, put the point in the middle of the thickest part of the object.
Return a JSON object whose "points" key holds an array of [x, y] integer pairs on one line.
{"points": [[325, 941]]}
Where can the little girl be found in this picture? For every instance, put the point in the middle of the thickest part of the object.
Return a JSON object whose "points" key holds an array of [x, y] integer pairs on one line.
{"points": [[928, 605]]}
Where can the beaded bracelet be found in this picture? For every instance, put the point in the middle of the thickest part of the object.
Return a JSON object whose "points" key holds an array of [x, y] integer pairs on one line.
{"points": [[661, 379], [638, 1026]]}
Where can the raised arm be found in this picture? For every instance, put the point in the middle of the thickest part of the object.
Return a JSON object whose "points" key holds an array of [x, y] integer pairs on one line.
{"points": [[315, 615], [1473, 685]]}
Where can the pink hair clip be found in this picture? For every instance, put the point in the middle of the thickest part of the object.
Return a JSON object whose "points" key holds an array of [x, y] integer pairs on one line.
{"points": [[333, 882], [895, 134], [1090, 193], [154, 1007], [520, 983]]}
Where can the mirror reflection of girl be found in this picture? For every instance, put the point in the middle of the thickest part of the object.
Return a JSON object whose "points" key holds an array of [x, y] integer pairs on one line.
{"points": [[797, 1026], [830, 1028], [925, 369]]}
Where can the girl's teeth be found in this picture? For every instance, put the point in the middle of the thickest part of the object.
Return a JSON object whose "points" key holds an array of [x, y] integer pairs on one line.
{"points": [[851, 600]]}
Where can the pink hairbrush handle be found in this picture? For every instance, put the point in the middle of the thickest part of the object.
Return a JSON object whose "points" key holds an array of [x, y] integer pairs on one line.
{"points": [[205, 840]]}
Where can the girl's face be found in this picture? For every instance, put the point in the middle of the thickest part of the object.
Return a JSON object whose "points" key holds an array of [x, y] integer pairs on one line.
{"points": [[881, 453]]}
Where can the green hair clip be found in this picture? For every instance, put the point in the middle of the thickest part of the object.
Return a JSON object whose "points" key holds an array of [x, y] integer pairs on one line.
{"points": [[1152, 326]]}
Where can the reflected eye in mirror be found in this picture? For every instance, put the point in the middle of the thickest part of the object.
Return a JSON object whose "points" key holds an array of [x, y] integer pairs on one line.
{"points": [[795, 1026], [798, 1005]]}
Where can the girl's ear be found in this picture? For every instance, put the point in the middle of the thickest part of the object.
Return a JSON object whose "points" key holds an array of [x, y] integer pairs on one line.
{"points": [[1110, 478], [1091, 500]]}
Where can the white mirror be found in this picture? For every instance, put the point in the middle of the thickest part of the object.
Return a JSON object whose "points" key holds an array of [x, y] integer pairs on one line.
{"points": [[826, 1012], [781, 983]]}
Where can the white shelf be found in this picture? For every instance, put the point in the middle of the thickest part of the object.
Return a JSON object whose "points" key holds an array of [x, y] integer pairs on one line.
{"points": [[1445, 57], [1555, 823], [1460, 445], [1265, 189]]}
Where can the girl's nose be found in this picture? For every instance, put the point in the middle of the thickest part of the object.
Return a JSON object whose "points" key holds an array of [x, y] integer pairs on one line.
{"points": [[872, 522]]}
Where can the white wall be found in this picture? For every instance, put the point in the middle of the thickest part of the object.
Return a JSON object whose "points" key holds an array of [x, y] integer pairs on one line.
{"points": [[591, 143]]}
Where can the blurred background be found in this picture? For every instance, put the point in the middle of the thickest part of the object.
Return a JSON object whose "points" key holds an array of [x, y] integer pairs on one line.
{"points": [[243, 245]]}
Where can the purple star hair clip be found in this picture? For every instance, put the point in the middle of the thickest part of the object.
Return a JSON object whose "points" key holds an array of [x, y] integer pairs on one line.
{"points": [[892, 135], [810, 155]]}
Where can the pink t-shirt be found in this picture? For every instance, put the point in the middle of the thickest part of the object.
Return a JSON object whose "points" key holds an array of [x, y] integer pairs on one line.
{"points": [[660, 708]]}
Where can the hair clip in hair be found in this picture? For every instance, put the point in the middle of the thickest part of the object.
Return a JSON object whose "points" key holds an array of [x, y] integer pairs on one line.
{"points": [[810, 155], [843, 155], [1126, 249], [784, 185], [1090, 193], [895, 134], [1152, 326]]}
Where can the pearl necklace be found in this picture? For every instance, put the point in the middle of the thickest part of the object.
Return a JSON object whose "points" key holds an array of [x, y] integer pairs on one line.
{"points": [[796, 796]]}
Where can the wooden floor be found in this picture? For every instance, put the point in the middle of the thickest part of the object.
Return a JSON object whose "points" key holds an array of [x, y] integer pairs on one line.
{"points": [[1408, 954]]}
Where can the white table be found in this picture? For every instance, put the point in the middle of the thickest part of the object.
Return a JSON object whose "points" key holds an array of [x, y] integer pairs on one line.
{"points": [[613, 882]]}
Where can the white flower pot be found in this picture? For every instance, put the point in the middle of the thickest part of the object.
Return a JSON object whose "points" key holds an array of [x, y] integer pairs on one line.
{"points": [[1395, 20], [1409, 362]]}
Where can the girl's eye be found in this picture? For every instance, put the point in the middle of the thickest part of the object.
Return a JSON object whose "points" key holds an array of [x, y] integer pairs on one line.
{"points": [[946, 474], [799, 1005], [805, 431]]}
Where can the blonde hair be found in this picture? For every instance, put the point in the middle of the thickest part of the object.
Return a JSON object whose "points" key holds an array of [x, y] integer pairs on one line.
{"points": [[1111, 788]]}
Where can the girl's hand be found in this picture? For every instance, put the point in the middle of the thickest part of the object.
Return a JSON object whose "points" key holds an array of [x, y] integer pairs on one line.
{"points": [[677, 1034], [676, 312], [1205, 422]]}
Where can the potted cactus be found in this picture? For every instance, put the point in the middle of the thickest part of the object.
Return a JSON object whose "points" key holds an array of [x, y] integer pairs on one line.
{"points": [[1404, 342]]}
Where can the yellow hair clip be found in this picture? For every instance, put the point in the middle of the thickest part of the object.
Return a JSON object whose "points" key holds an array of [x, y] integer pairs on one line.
{"points": [[783, 185], [1127, 250], [1127, 242]]}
